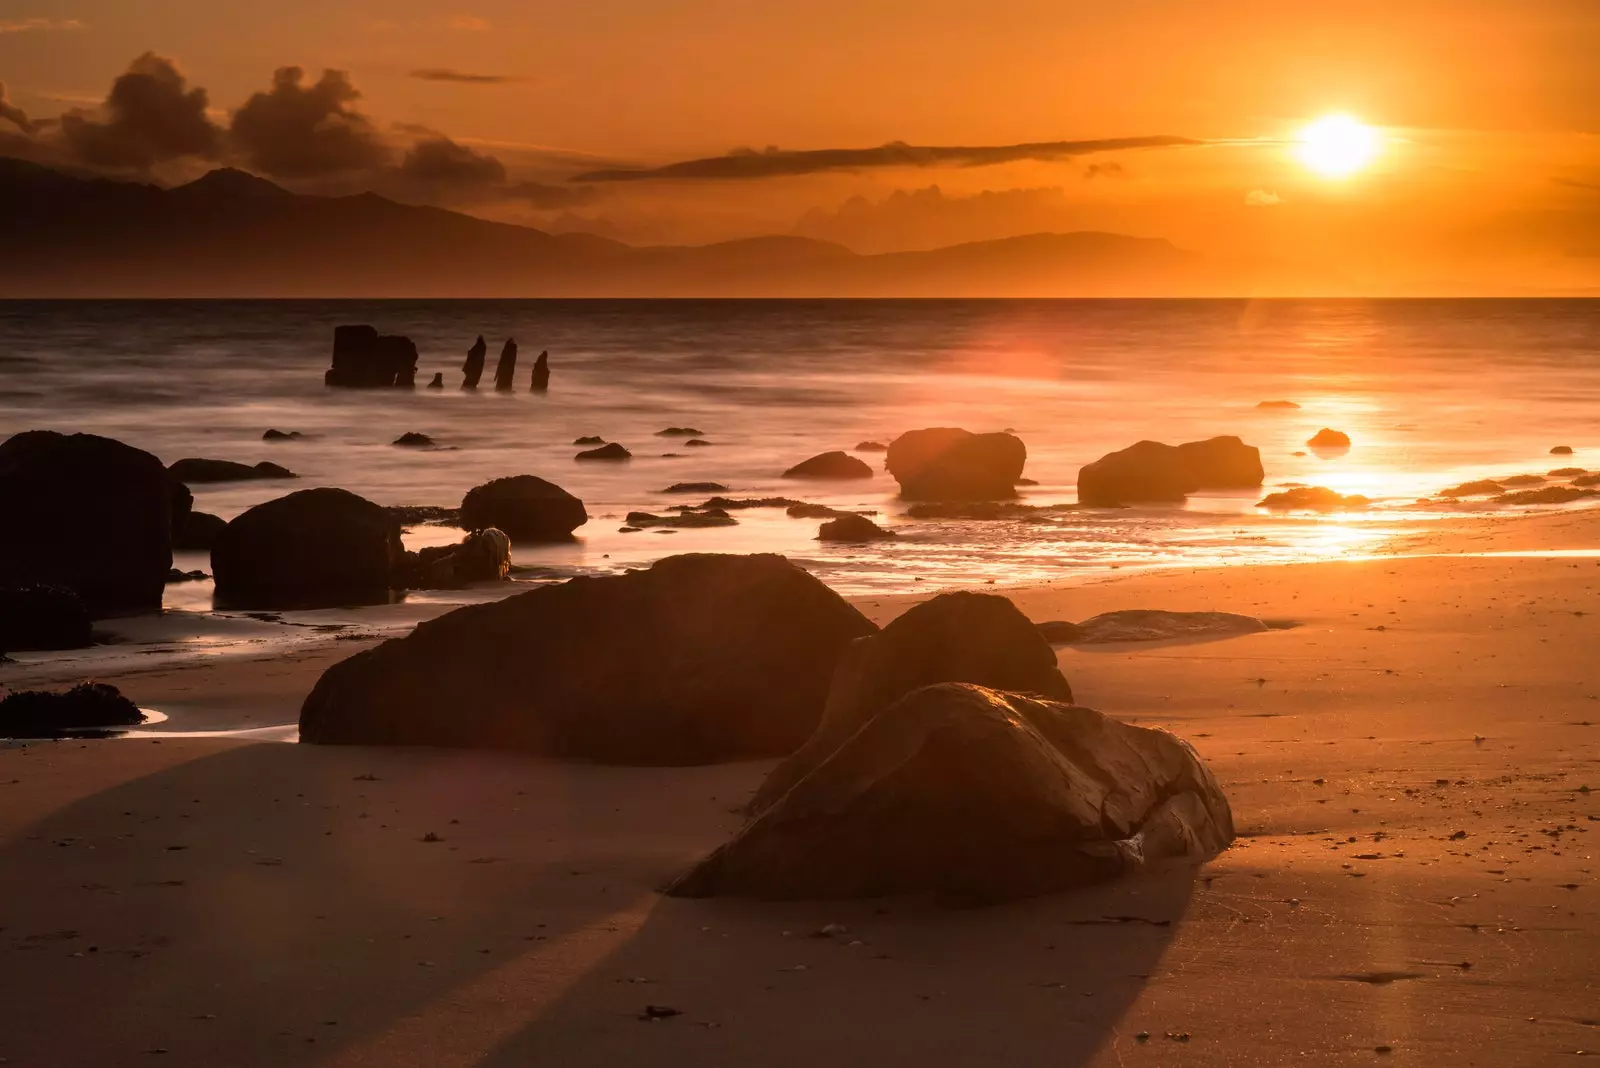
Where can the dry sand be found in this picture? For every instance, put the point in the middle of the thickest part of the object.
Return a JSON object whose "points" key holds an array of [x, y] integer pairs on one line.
{"points": [[1414, 881]]}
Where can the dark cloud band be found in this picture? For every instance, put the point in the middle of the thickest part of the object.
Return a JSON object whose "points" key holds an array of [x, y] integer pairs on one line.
{"points": [[775, 164], [459, 77]]}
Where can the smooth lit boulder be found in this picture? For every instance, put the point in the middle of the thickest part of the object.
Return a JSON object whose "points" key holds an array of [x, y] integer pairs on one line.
{"points": [[950, 464], [830, 465], [527, 508]]}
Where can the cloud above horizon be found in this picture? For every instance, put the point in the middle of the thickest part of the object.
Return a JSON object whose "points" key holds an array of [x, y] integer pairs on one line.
{"points": [[151, 116], [748, 164], [460, 77], [298, 131], [41, 25], [9, 112]]}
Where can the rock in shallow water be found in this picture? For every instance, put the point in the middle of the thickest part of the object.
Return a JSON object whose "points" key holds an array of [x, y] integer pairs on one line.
{"points": [[44, 713], [975, 796], [1153, 472], [524, 506], [852, 527], [1313, 499], [830, 465], [612, 451], [198, 471], [700, 658], [951, 464]]}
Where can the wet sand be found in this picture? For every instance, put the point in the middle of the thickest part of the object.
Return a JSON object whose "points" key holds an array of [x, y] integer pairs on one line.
{"points": [[1414, 882]]}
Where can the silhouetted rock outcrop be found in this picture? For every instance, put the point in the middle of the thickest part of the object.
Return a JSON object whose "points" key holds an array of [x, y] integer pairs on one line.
{"points": [[482, 556], [437, 382], [540, 380], [1312, 499], [698, 659], [871, 446], [527, 508], [1561, 450], [42, 617], [589, 439], [413, 440], [88, 513], [1153, 472], [975, 795], [197, 532], [197, 471], [1329, 439], [950, 464], [1547, 495], [505, 371], [45, 713], [1482, 487], [364, 359], [830, 465], [472, 369], [696, 487], [679, 432], [956, 637], [281, 435], [317, 548], [612, 451], [711, 517], [852, 528]]}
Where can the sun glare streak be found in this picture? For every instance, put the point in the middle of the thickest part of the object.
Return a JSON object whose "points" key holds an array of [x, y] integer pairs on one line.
{"points": [[1337, 146]]}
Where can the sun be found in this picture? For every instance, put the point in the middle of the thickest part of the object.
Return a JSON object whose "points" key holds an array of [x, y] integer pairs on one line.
{"points": [[1337, 146]]}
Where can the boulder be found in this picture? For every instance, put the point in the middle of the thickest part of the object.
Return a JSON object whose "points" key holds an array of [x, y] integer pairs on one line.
{"points": [[36, 617], [364, 359], [1222, 463], [525, 507], [413, 440], [679, 432], [589, 439], [1279, 404], [1312, 499], [1153, 472], [1154, 625], [871, 446], [505, 371], [539, 381], [811, 510], [700, 658], [852, 528], [317, 548], [175, 576], [612, 451], [711, 517], [472, 367], [280, 435], [44, 713], [437, 381], [948, 464], [1482, 487], [956, 637], [1561, 450], [198, 472], [482, 556], [197, 532], [1059, 631], [696, 487], [1329, 439], [975, 796], [830, 465], [697, 443], [1547, 495], [88, 513]]}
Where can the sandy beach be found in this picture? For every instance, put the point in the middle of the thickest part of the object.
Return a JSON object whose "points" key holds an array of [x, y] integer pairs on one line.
{"points": [[1414, 880]]}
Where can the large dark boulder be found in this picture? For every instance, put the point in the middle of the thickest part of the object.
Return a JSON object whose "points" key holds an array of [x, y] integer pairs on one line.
{"points": [[45, 713], [949, 464], [365, 359], [88, 513], [852, 527], [831, 465], [1153, 472], [198, 472], [525, 507], [318, 548], [42, 617], [698, 659], [198, 532], [973, 795], [1329, 439], [956, 637]]}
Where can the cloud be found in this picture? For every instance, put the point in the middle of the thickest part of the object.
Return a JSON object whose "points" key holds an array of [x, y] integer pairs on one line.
{"points": [[152, 116], [9, 112], [445, 74], [441, 169], [1570, 183], [299, 131], [544, 197], [1111, 169], [930, 217], [38, 25], [775, 163], [1262, 198]]}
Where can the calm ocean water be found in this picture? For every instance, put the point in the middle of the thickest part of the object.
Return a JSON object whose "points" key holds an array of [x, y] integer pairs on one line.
{"points": [[1432, 392]]}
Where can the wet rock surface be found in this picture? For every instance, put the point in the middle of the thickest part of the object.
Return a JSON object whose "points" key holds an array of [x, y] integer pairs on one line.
{"points": [[951, 464], [852, 527], [47, 713], [830, 465], [526, 507]]}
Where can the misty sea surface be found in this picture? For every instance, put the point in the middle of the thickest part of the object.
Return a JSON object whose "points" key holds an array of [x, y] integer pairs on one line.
{"points": [[1432, 393]]}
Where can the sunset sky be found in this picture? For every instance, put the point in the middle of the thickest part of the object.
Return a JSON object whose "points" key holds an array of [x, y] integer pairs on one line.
{"points": [[1486, 115]]}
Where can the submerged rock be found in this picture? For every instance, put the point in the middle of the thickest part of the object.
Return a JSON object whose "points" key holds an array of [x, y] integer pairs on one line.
{"points": [[175, 576], [505, 371], [713, 517], [198, 472], [539, 381], [697, 443], [88, 513], [680, 432], [472, 366], [39, 617], [950, 464], [1154, 625], [955, 637], [1283, 404], [1561, 450], [735, 503], [482, 556], [279, 435], [1548, 495], [812, 510], [411, 439], [984, 510], [317, 548], [830, 465], [1587, 480], [700, 658], [45, 713], [1483, 487], [412, 514], [974, 795], [853, 528], [525, 507], [364, 359], [612, 451], [696, 487], [589, 439], [1312, 499], [1329, 439], [871, 446]]}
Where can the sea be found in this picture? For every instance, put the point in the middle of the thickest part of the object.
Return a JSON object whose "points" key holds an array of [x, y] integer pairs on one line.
{"points": [[1431, 393]]}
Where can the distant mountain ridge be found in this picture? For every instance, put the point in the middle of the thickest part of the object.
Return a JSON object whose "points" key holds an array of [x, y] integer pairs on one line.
{"points": [[232, 234]]}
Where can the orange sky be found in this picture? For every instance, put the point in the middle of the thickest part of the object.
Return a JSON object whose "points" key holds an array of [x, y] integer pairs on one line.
{"points": [[1489, 176]]}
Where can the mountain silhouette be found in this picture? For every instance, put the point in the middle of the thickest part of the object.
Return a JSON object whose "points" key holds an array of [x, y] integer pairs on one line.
{"points": [[232, 234]]}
